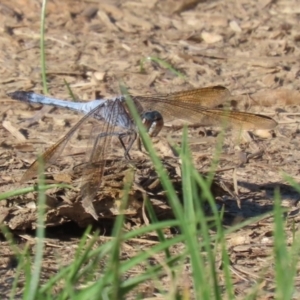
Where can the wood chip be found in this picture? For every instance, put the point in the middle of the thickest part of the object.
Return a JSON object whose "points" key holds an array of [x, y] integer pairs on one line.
{"points": [[14, 131], [211, 38]]}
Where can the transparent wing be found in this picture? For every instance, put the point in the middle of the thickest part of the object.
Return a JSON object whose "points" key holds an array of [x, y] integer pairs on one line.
{"points": [[112, 113], [52, 153], [99, 150], [195, 106]]}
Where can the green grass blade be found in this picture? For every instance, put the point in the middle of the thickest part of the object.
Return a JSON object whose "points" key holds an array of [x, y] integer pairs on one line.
{"points": [[162, 63], [72, 95], [201, 288], [283, 276], [114, 265], [32, 290], [159, 232], [35, 188], [42, 46], [161, 171]]}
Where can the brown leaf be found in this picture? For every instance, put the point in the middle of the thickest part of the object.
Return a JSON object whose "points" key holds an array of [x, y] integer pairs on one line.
{"points": [[184, 5]]}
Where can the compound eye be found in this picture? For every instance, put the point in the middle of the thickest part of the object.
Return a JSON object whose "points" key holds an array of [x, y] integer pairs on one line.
{"points": [[152, 116]]}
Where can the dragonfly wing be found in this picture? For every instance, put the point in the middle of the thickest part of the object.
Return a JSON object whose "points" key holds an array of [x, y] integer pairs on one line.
{"points": [[99, 150], [240, 119], [195, 106], [52, 153], [184, 105], [46, 158], [209, 97]]}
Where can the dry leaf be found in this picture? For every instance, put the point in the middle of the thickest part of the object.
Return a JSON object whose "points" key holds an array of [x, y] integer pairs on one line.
{"points": [[62, 177], [183, 5], [235, 26], [277, 98], [211, 38], [264, 134]]}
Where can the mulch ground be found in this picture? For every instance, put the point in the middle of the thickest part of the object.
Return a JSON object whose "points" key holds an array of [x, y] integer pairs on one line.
{"points": [[250, 47]]}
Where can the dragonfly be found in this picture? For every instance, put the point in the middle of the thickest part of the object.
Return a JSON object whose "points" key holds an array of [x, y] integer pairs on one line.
{"points": [[192, 106]]}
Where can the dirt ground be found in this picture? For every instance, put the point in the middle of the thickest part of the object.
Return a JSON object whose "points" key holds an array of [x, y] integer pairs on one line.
{"points": [[250, 47]]}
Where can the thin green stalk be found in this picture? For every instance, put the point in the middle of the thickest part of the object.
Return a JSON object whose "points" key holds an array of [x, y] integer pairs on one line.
{"points": [[72, 95], [283, 276], [35, 188], [163, 64], [32, 290], [201, 286], [42, 46]]}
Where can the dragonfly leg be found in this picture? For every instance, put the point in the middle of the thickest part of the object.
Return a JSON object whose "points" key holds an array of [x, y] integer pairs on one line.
{"points": [[133, 136], [120, 135], [139, 144]]}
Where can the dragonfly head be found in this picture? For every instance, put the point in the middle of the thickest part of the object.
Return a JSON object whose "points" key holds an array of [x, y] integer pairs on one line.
{"points": [[153, 122]]}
